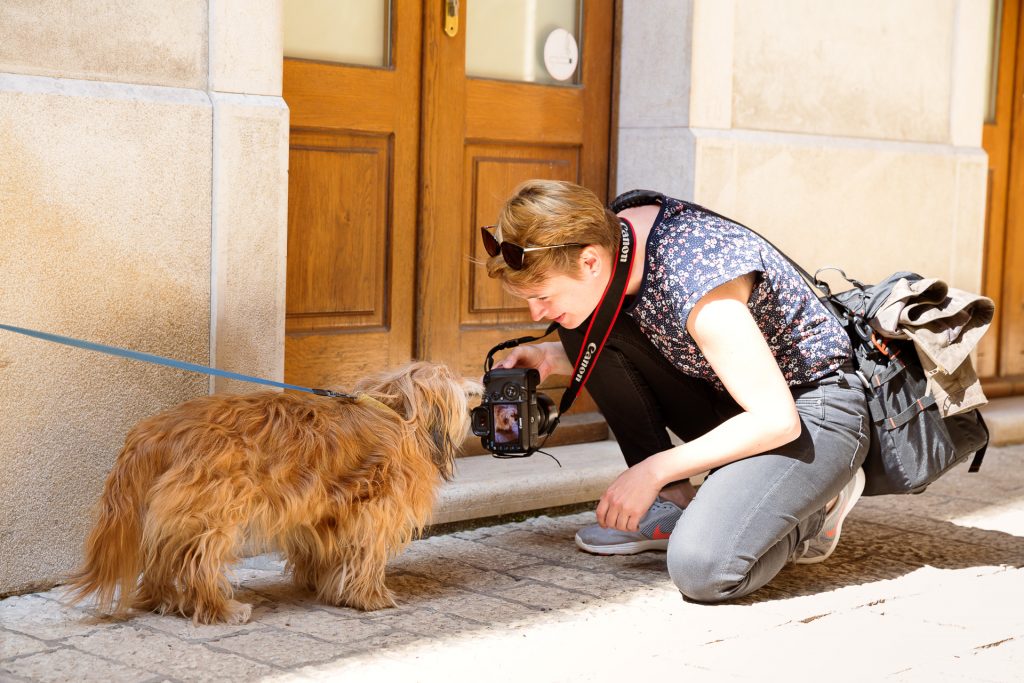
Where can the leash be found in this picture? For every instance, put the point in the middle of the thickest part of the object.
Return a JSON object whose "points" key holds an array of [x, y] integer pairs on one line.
{"points": [[170, 362]]}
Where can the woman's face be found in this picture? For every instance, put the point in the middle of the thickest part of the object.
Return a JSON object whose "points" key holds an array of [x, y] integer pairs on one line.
{"points": [[566, 300]]}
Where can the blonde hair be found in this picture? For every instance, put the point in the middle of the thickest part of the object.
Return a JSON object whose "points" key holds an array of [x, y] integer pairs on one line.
{"points": [[546, 212]]}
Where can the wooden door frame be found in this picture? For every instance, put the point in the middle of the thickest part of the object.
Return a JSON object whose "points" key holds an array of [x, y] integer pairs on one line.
{"points": [[1004, 242]]}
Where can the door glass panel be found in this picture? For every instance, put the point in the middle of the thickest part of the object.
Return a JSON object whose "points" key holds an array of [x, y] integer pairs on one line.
{"points": [[344, 31], [505, 39]]}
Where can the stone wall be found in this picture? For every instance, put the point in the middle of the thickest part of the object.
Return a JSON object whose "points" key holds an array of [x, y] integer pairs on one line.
{"points": [[848, 133], [143, 193]]}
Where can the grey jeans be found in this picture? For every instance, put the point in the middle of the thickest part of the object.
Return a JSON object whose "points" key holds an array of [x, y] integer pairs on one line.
{"points": [[750, 515]]}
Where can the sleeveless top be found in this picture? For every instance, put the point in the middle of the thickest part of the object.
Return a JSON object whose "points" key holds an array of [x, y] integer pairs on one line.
{"points": [[689, 253]]}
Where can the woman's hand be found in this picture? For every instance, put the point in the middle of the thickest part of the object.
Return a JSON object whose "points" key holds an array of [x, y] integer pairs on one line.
{"points": [[629, 497], [548, 358]]}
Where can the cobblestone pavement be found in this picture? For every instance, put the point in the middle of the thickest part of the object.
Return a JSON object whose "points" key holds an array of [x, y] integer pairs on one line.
{"points": [[921, 588]]}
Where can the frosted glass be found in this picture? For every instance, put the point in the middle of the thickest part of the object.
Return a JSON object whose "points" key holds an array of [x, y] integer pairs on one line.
{"points": [[344, 31], [505, 38]]}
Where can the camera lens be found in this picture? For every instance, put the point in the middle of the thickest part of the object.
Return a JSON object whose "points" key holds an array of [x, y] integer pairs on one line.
{"points": [[547, 414]]}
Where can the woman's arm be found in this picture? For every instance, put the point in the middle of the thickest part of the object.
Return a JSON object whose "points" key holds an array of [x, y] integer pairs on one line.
{"points": [[725, 331]]}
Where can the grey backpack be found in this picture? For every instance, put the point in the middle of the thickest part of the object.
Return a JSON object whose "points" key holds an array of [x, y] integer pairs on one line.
{"points": [[912, 445]]}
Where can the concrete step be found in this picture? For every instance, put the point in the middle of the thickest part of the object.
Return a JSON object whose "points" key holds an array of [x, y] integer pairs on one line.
{"points": [[488, 487]]}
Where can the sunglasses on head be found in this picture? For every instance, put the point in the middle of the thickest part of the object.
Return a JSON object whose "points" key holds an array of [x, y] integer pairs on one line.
{"points": [[513, 254]]}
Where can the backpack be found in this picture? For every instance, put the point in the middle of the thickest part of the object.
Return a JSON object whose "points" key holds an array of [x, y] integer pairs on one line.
{"points": [[912, 445]]}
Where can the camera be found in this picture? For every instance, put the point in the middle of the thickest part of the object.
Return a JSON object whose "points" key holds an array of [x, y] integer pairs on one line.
{"points": [[514, 417]]}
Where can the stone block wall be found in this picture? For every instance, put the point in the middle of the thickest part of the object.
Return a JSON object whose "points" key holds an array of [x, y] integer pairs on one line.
{"points": [[143, 193], [848, 133]]}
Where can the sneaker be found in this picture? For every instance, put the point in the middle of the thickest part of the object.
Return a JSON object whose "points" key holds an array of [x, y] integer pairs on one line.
{"points": [[655, 528], [817, 549]]}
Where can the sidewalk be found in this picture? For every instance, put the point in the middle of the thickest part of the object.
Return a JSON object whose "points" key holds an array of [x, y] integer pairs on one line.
{"points": [[922, 588]]}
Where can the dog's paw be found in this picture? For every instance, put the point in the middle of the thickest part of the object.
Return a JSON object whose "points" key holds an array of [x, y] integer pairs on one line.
{"points": [[238, 612], [372, 601]]}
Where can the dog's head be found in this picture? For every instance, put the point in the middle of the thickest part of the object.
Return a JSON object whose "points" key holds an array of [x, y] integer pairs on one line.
{"points": [[433, 400]]}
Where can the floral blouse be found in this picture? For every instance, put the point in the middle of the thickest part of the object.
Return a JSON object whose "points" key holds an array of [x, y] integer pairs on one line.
{"points": [[689, 253]]}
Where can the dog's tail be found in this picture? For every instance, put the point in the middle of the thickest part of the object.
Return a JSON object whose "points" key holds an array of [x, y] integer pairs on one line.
{"points": [[113, 554]]}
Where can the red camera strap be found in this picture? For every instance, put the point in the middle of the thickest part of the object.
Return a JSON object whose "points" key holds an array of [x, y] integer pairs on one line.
{"points": [[602, 320]]}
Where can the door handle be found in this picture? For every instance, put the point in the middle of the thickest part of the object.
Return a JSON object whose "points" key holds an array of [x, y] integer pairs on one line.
{"points": [[451, 17]]}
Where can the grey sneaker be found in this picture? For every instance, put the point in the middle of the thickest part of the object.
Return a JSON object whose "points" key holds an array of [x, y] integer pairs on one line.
{"points": [[821, 546], [655, 528]]}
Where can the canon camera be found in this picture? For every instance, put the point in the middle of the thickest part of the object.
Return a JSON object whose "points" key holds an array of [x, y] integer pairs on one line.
{"points": [[514, 418]]}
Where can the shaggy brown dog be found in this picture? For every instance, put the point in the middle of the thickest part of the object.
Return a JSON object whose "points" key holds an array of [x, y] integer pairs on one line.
{"points": [[337, 485]]}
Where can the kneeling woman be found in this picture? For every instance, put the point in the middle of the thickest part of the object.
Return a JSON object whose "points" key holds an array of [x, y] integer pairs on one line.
{"points": [[722, 343]]}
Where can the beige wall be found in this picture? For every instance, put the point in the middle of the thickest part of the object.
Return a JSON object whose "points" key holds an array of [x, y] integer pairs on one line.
{"points": [[143, 186], [819, 124]]}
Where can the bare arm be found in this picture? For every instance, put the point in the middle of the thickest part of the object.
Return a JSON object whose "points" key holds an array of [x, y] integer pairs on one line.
{"points": [[725, 331]]}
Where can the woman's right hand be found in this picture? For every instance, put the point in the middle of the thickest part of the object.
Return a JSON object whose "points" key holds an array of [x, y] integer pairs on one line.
{"points": [[548, 358]]}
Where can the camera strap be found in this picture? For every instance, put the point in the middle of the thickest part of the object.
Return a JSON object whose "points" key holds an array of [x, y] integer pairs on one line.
{"points": [[603, 318]]}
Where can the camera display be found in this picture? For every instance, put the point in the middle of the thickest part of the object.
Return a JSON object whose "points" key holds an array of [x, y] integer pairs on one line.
{"points": [[513, 417]]}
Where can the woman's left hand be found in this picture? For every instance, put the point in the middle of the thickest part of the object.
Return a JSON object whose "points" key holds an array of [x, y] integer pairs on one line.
{"points": [[628, 498]]}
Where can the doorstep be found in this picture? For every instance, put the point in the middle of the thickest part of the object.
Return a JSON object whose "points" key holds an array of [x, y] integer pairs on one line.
{"points": [[489, 487], [1005, 420], [485, 486]]}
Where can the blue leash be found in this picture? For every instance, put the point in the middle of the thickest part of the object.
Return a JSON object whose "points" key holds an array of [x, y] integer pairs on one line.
{"points": [[160, 360]]}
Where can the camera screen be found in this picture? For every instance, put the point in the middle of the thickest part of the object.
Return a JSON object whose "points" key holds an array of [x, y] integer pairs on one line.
{"points": [[506, 423]]}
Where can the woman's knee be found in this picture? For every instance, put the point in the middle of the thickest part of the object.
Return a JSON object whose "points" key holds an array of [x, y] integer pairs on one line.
{"points": [[699, 572]]}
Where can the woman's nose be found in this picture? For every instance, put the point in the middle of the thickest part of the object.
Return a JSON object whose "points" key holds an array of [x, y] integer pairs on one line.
{"points": [[536, 309]]}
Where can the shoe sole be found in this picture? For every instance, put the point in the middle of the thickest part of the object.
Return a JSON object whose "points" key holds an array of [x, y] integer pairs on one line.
{"points": [[631, 548], [857, 490]]}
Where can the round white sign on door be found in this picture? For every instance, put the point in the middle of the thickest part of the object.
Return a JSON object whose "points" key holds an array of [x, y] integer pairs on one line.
{"points": [[561, 55]]}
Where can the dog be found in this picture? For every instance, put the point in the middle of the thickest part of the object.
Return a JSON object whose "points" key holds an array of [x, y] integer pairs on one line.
{"points": [[338, 486]]}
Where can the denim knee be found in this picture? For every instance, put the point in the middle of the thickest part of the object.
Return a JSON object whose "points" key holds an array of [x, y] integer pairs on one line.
{"points": [[697, 571]]}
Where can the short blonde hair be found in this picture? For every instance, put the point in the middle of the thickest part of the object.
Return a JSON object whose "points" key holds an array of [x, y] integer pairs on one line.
{"points": [[546, 212]]}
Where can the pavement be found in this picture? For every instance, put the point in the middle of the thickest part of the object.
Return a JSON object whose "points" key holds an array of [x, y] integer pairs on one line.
{"points": [[921, 588]]}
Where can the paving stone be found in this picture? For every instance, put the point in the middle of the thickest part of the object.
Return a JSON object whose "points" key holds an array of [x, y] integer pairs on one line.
{"points": [[72, 666], [597, 584], [16, 645], [322, 624], [460, 574], [279, 648], [160, 653], [545, 597], [47, 619], [439, 549], [426, 622]]}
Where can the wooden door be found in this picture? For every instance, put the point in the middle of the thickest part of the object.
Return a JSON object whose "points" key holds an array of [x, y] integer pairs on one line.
{"points": [[352, 207], [1001, 353], [480, 138]]}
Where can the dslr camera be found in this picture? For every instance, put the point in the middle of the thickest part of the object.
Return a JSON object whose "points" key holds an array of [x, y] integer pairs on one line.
{"points": [[513, 418]]}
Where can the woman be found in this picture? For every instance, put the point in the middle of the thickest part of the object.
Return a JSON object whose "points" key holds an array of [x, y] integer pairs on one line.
{"points": [[721, 342]]}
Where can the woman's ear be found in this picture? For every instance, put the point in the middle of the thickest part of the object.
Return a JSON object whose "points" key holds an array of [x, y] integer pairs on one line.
{"points": [[590, 262]]}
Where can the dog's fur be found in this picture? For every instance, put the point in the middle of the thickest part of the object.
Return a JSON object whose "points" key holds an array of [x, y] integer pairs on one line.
{"points": [[337, 485]]}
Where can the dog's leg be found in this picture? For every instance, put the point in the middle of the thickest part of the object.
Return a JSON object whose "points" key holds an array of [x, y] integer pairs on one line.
{"points": [[357, 581], [304, 550], [186, 551]]}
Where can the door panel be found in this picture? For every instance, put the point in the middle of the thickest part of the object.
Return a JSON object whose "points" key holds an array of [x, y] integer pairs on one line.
{"points": [[491, 170], [505, 132], [338, 263], [1001, 351], [352, 216]]}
